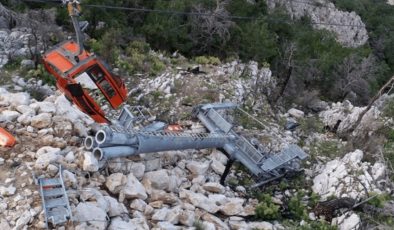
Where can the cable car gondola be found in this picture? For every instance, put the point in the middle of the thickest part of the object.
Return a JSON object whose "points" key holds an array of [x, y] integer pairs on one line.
{"points": [[80, 74]]}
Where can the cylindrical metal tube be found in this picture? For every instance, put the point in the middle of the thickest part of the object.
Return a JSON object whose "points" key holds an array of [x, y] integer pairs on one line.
{"points": [[90, 143], [150, 144], [106, 138], [113, 152]]}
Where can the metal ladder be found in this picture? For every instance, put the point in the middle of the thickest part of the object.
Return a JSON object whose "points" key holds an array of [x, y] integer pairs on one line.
{"points": [[54, 200], [249, 150], [276, 161]]}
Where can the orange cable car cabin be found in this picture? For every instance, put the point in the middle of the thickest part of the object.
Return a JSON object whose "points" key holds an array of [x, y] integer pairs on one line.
{"points": [[83, 78], [6, 139]]}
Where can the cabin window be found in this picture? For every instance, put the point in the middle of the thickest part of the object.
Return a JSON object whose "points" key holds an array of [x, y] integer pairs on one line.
{"points": [[107, 89]]}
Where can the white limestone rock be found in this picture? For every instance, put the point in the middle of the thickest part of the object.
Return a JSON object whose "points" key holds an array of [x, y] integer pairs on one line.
{"points": [[346, 177], [24, 119], [115, 182], [234, 206], [45, 107], [70, 180], [325, 14], [347, 221], [218, 167], [197, 168], [378, 171], [42, 120], [296, 113], [45, 156], [115, 208], [95, 216], [219, 224], [138, 205], [133, 188], [23, 220], [9, 115], [263, 225], [214, 187], [167, 225], [138, 170], [219, 199], [14, 99], [25, 109], [7, 191], [70, 157], [117, 223], [90, 163], [161, 214], [157, 179], [187, 218], [219, 156], [199, 200]]}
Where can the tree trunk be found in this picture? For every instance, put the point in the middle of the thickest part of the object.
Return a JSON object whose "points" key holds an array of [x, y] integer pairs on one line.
{"points": [[375, 98]]}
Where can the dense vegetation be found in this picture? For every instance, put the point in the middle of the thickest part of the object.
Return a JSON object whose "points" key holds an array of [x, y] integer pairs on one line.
{"points": [[305, 60]]}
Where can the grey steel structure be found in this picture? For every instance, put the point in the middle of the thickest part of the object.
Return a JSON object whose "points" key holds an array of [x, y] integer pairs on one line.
{"points": [[123, 140], [54, 199]]}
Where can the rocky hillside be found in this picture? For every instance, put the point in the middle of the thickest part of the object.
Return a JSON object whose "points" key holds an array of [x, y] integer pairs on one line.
{"points": [[324, 15], [180, 189], [346, 183]]}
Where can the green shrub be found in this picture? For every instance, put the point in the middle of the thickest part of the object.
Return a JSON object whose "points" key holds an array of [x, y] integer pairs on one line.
{"points": [[232, 182], [13, 64], [297, 208], [328, 148], [388, 110], [41, 74], [205, 60], [156, 65], [266, 209], [198, 225], [311, 125], [317, 225], [380, 200]]}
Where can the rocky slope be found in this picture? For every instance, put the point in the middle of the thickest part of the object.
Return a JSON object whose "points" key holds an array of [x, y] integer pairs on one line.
{"points": [[160, 191], [324, 15], [170, 190]]}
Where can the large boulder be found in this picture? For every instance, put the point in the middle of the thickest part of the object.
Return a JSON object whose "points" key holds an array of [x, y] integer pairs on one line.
{"points": [[115, 182], [118, 223], [197, 168], [219, 224], [115, 208], [14, 99], [157, 179], [214, 187], [199, 200], [347, 221], [9, 115], [296, 113], [46, 155], [347, 177], [23, 220], [93, 215], [133, 188], [233, 207], [90, 163], [42, 120]]}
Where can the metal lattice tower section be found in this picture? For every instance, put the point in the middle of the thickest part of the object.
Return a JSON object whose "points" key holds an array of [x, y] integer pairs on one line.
{"points": [[124, 140]]}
